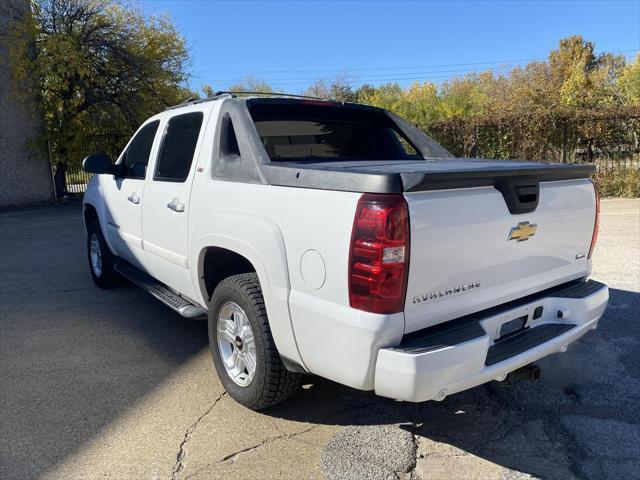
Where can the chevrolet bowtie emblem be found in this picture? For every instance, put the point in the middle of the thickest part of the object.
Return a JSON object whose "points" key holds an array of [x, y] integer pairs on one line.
{"points": [[523, 231]]}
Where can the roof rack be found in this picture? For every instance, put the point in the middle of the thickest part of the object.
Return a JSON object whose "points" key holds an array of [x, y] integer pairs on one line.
{"points": [[270, 94], [196, 100], [234, 94]]}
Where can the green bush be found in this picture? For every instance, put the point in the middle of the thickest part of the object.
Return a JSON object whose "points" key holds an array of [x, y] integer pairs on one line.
{"points": [[619, 182]]}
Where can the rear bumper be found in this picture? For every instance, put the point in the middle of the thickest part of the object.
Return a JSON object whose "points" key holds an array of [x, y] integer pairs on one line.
{"points": [[464, 353]]}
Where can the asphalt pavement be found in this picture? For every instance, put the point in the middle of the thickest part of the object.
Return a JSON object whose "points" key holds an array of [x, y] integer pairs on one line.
{"points": [[114, 385]]}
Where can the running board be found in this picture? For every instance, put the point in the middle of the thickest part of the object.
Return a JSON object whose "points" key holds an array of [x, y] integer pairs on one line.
{"points": [[159, 290]]}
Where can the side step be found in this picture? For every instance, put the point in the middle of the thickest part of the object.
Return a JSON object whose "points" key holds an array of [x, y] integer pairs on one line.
{"points": [[159, 290], [521, 342]]}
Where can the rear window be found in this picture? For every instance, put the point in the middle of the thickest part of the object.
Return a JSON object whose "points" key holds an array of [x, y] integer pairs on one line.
{"points": [[312, 132], [178, 147]]}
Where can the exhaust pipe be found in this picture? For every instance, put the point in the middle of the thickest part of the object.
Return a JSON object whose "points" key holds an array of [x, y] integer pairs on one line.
{"points": [[529, 372]]}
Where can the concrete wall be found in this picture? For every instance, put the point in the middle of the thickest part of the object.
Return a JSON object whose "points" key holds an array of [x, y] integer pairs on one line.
{"points": [[25, 175]]}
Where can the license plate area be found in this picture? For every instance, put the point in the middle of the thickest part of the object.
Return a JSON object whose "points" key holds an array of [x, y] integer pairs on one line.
{"points": [[512, 327]]}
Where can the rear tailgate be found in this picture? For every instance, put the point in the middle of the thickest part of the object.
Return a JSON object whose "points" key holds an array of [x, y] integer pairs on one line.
{"points": [[462, 259], [461, 214]]}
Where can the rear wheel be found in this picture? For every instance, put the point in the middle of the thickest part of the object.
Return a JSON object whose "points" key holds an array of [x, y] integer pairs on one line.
{"points": [[243, 350], [101, 260]]}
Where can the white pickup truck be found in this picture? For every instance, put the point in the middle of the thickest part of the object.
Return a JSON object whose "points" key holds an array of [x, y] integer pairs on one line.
{"points": [[338, 240]]}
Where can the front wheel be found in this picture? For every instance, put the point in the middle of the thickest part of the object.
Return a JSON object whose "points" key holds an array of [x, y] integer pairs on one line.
{"points": [[101, 260], [243, 350]]}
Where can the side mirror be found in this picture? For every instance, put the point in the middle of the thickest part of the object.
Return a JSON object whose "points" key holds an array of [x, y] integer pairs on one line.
{"points": [[98, 163]]}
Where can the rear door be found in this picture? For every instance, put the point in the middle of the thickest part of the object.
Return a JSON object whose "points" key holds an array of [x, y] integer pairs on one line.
{"points": [[167, 193], [124, 194], [469, 253]]}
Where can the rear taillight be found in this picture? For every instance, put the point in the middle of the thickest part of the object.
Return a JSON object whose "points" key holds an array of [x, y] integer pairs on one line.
{"points": [[596, 225], [379, 254]]}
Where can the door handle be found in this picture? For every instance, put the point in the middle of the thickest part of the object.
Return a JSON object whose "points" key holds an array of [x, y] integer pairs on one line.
{"points": [[134, 198], [176, 206]]}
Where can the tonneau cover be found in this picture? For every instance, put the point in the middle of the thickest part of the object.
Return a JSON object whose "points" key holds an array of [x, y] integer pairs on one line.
{"points": [[391, 176]]}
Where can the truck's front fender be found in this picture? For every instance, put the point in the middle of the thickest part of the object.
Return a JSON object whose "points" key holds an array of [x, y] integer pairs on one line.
{"points": [[93, 198], [260, 241]]}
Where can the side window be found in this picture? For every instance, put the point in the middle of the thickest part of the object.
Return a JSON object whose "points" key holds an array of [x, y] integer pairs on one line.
{"points": [[178, 147], [407, 148], [229, 142], [136, 157]]}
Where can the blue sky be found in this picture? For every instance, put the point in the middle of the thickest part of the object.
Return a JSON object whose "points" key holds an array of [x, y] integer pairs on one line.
{"points": [[291, 43]]}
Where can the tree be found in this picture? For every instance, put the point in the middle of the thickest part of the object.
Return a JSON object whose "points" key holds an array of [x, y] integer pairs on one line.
{"points": [[570, 68], [462, 97], [252, 84], [629, 83], [96, 64], [606, 80], [338, 89], [208, 91], [419, 103], [543, 110], [387, 95]]}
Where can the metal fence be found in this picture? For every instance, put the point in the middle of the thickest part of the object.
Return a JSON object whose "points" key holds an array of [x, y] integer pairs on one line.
{"points": [[611, 143], [67, 165], [609, 164]]}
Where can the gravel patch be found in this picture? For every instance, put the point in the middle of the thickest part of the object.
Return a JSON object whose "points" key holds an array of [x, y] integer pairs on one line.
{"points": [[371, 452]]}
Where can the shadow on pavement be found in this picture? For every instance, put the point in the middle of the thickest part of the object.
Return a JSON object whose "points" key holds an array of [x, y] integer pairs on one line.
{"points": [[74, 358], [580, 419]]}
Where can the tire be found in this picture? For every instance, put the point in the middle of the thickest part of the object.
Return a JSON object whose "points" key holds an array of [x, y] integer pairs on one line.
{"points": [[269, 383], [104, 275]]}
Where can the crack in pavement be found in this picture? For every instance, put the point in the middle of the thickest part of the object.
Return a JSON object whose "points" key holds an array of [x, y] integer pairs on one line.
{"points": [[413, 473], [179, 466], [266, 441], [285, 436]]}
